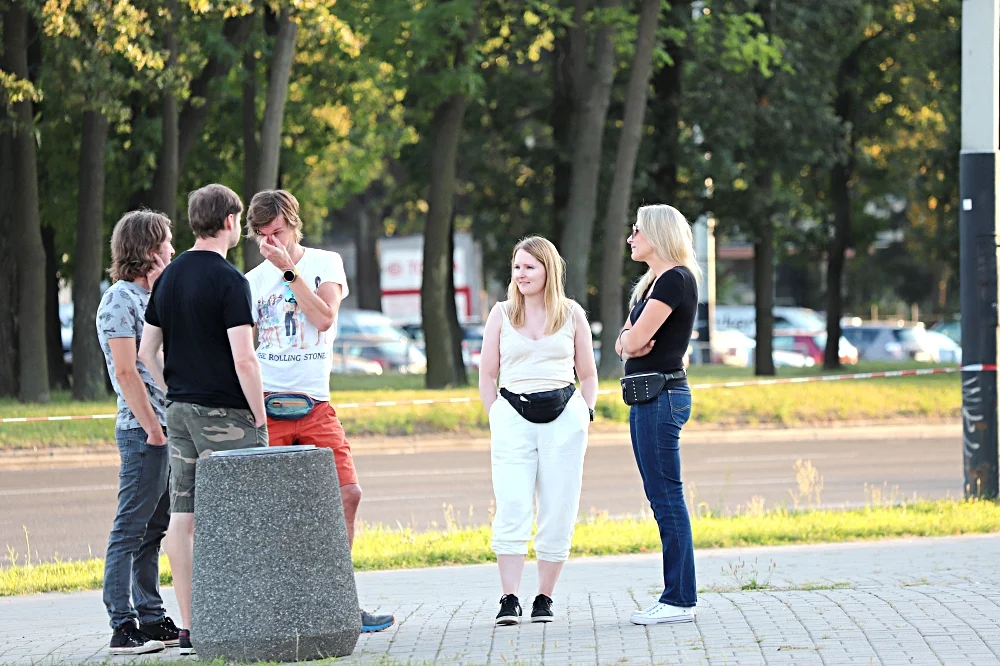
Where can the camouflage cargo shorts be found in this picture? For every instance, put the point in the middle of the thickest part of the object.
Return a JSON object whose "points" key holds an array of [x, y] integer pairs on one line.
{"points": [[195, 431]]}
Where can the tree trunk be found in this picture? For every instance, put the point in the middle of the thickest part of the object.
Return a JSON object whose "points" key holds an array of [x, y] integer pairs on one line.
{"points": [[251, 254], [369, 277], [58, 372], [578, 229], [88, 360], [615, 219], [8, 262], [434, 290], [167, 173], [763, 286], [274, 110], [33, 366], [568, 64], [667, 86], [461, 377], [839, 183]]}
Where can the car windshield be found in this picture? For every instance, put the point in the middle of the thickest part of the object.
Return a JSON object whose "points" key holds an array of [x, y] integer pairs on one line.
{"points": [[911, 334], [373, 325]]}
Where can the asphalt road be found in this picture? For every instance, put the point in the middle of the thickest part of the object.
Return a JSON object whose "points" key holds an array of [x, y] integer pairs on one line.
{"points": [[67, 512]]}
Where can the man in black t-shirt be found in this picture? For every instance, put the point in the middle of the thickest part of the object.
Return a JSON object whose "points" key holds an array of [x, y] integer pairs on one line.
{"points": [[199, 313]]}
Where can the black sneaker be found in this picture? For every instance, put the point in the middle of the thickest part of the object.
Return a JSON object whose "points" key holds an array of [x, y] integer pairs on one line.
{"points": [[371, 623], [184, 641], [541, 609], [164, 631], [510, 610], [127, 639]]}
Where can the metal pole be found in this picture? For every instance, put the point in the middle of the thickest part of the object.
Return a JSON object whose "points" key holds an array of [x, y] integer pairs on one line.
{"points": [[704, 248], [978, 238]]}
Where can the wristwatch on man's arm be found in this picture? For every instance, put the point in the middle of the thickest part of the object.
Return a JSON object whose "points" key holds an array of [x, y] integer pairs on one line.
{"points": [[591, 414], [290, 275]]}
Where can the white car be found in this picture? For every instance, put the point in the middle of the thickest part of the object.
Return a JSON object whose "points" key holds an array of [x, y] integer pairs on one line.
{"points": [[732, 347], [948, 351]]}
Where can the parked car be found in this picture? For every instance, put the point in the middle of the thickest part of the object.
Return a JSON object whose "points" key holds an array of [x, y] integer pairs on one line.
{"points": [[953, 329], [352, 322], [371, 336], [880, 341], [948, 351], [472, 341], [343, 364], [392, 354], [732, 347], [744, 319], [813, 345], [791, 359], [66, 331]]}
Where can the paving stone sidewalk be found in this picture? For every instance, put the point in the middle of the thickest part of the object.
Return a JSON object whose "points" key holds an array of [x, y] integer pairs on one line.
{"points": [[915, 601]]}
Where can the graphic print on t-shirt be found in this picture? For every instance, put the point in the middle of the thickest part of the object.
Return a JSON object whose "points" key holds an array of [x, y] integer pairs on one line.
{"points": [[282, 323], [294, 354]]}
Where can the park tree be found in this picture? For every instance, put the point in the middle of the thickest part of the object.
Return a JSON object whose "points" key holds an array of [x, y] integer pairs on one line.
{"points": [[620, 196], [121, 58], [896, 104], [776, 121], [592, 80], [22, 214]]}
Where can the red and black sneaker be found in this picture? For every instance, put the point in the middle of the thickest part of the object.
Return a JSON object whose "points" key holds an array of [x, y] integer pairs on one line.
{"points": [[127, 639], [184, 641], [164, 631]]}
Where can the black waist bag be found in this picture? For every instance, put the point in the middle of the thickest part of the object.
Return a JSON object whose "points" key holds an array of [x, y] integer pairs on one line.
{"points": [[645, 386], [540, 407]]}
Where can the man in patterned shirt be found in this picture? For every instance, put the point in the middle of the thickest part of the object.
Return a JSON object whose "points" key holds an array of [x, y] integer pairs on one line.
{"points": [[140, 250]]}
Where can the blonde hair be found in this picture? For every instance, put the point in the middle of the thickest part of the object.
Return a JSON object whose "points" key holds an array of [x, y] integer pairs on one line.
{"points": [[557, 306], [669, 234]]}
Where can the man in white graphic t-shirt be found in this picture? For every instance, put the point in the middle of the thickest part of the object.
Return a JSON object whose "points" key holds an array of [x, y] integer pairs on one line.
{"points": [[296, 296]]}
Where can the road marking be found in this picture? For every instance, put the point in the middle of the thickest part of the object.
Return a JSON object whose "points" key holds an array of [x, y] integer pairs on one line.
{"points": [[405, 498], [780, 457], [387, 474], [52, 491], [786, 481]]}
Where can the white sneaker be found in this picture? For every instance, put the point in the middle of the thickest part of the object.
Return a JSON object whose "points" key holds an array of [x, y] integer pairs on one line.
{"points": [[644, 611], [663, 614]]}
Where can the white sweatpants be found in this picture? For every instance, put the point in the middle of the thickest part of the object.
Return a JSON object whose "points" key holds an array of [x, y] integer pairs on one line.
{"points": [[543, 460]]}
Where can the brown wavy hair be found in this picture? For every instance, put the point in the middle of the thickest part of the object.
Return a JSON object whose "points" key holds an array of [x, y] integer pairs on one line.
{"points": [[136, 235]]}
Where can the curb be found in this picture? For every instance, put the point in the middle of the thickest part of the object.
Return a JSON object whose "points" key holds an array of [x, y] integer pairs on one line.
{"points": [[601, 435]]}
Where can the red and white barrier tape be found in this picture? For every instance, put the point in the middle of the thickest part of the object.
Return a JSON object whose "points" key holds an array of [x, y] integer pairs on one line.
{"points": [[755, 382]]}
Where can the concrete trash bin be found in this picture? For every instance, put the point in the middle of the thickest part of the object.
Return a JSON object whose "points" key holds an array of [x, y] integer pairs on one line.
{"points": [[273, 578]]}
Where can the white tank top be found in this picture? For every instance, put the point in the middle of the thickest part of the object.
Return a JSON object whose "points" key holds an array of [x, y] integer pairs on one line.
{"points": [[527, 365]]}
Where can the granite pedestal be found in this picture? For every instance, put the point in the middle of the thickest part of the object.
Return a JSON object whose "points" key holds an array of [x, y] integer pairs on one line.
{"points": [[273, 578]]}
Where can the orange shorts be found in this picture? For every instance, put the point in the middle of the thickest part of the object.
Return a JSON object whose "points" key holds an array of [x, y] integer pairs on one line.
{"points": [[321, 428]]}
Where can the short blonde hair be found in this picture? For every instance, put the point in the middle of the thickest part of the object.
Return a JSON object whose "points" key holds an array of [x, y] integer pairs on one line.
{"points": [[557, 306], [669, 234], [269, 204]]}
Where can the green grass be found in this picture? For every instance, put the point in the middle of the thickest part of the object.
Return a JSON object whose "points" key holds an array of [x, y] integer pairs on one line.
{"points": [[810, 404], [380, 548]]}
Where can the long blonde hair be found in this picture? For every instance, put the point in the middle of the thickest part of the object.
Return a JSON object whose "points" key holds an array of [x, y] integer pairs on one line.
{"points": [[669, 234], [557, 306]]}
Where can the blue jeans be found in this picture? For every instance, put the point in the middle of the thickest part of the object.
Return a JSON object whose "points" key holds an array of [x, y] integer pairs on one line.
{"points": [[132, 563], [656, 429]]}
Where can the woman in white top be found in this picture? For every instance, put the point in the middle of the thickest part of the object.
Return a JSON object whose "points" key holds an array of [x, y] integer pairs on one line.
{"points": [[533, 343]]}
